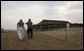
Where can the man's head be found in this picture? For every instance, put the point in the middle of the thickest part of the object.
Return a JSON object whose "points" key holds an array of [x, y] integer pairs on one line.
{"points": [[20, 20], [29, 19]]}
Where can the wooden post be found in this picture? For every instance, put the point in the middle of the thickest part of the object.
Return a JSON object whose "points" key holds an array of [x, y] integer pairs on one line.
{"points": [[65, 35], [65, 38]]}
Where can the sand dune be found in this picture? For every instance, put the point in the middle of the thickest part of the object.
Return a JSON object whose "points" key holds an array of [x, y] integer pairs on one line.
{"points": [[44, 40]]}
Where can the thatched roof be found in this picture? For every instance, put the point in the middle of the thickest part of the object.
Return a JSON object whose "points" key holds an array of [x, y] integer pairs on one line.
{"points": [[52, 22]]}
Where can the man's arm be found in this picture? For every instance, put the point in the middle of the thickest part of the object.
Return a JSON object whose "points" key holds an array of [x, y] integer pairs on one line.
{"points": [[17, 25], [23, 27], [26, 23]]}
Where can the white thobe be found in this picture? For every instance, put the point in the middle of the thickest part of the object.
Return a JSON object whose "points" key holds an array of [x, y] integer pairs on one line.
{"points": [[20, 32]]}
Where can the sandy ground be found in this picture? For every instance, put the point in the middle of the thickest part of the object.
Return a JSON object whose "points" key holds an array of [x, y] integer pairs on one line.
{"points": [[44, 40]]}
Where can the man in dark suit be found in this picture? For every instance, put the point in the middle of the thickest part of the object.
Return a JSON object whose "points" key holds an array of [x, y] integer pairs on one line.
{"points": [[29, 29]]}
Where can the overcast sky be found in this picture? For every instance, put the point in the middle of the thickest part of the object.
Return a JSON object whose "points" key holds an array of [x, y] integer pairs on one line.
{"points": [[13, 11]]}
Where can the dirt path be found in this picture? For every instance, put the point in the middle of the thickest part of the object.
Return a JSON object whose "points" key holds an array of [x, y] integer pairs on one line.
{"points": [[43, 41]]}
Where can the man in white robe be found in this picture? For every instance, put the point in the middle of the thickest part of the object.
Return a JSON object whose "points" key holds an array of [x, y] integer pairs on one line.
{"points": [[20, 29]]}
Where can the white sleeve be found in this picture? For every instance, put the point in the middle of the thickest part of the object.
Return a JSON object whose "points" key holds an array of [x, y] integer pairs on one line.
{"points": [[17, 27]]}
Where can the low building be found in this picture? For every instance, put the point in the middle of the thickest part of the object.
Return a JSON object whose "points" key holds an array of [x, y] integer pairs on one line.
{"points": [[50, 24]]}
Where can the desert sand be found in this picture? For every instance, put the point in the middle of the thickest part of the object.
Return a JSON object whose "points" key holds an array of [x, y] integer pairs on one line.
{"points": [[44, 40]]}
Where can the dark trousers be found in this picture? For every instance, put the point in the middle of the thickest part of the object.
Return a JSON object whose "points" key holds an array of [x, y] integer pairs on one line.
{"points": [[30, 33]]}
